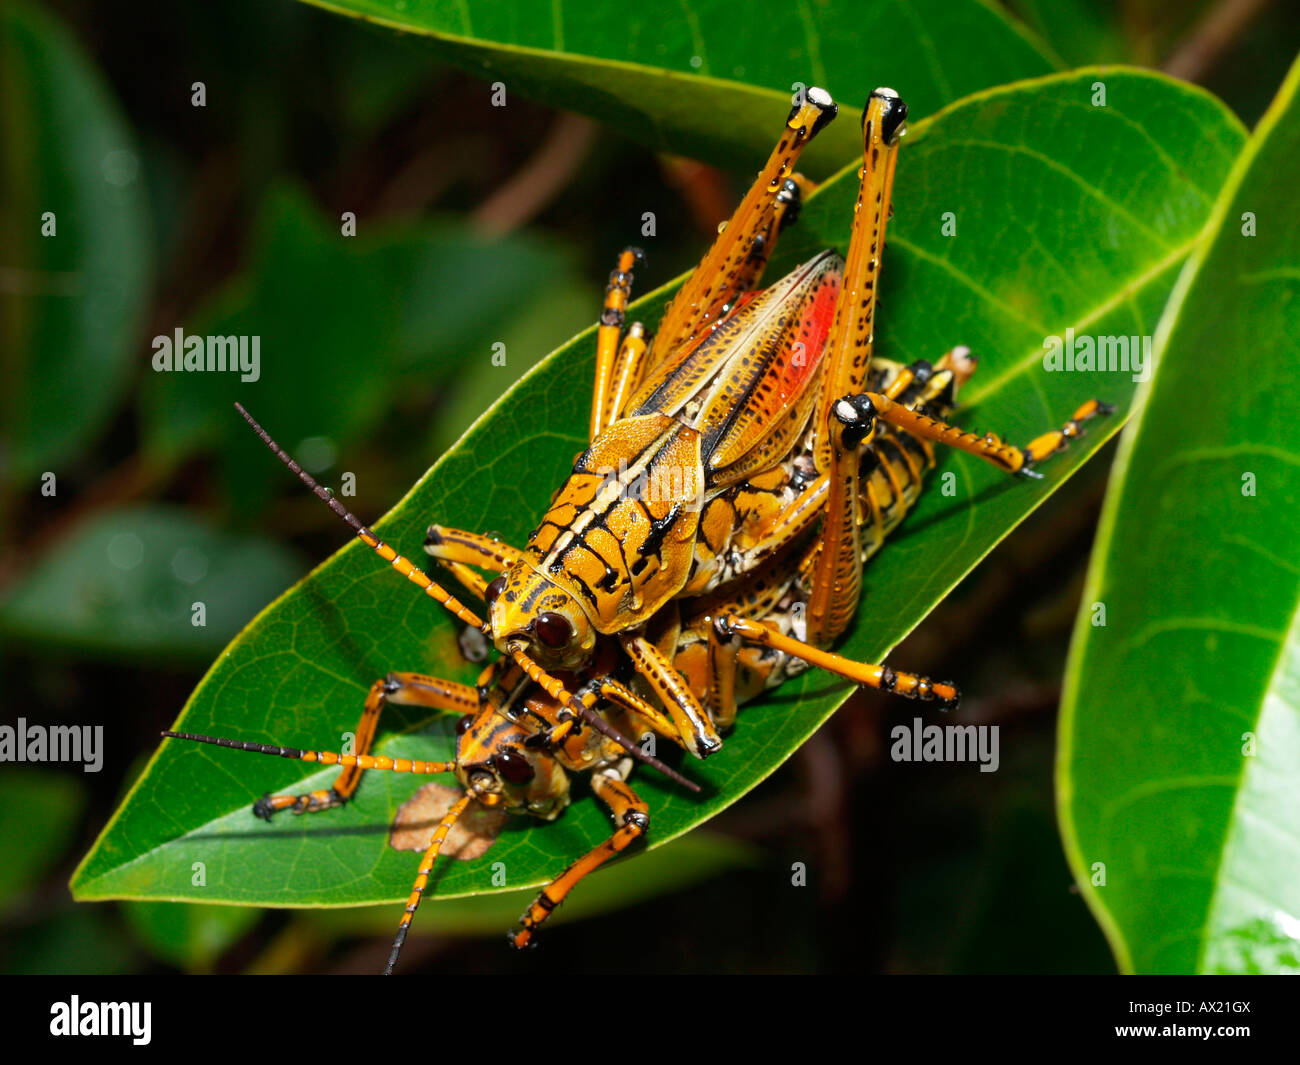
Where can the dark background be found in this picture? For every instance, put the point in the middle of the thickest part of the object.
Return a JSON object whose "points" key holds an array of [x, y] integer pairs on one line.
{"points": [[913, 868]]}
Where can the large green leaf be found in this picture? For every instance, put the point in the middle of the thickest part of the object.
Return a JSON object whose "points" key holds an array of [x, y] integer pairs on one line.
{"points": [[1180, 731], [1068, 215], [706, 82], [71, 298]]}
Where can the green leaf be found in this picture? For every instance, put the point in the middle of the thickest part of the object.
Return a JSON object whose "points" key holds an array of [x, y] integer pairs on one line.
{"points": [[70, 302], [1068, 216], [125, 584], [1082, 32], [1180, 729], [707, 81]]}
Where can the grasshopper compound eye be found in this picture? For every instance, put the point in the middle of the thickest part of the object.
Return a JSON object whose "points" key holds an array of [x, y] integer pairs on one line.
{"points": [[514, 766], [493, 590], [554, 630]]}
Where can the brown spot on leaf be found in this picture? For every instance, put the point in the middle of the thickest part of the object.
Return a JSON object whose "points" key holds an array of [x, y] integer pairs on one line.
{"points": [[469, 837]]}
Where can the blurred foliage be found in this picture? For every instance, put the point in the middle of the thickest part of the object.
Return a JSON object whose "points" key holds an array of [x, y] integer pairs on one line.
{"points": [[227, 218]]}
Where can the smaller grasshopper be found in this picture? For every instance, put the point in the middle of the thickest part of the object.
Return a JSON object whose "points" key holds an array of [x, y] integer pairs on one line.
{"points": [[501, 764]]}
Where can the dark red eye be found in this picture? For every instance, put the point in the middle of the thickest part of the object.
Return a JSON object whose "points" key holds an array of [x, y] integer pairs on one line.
{"points": [[553, 630], [493, 590], [463, 725], [514, 767]]}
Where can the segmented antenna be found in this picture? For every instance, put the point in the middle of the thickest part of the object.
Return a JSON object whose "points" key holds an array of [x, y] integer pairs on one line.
{"points": [[361, 761], [422, 878]]}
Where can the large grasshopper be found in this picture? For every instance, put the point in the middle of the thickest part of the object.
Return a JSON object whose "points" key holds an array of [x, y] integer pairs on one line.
{"points": [[743, 465]]}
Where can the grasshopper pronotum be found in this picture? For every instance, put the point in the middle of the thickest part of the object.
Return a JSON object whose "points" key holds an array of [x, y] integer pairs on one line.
{"points": [[744, 463]]}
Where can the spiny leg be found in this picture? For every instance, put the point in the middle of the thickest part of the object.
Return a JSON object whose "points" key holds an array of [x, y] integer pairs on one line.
{"points": [[608, 335], [717, 280], [473, 549], [401, 689], [987, 446], [837, 576], [422, 877], [632, 816], [694, 730], [908, 685], [623, 696]]}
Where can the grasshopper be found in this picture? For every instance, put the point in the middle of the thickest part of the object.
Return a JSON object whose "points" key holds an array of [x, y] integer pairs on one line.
{"points": [[744, 464]]}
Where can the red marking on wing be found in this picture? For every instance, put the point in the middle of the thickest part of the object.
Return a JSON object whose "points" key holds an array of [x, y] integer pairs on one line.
{"points": [[813, 329]]}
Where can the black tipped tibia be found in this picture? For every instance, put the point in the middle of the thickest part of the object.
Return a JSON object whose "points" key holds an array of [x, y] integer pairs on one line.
{"points": [[895, 114], [828, 109]]}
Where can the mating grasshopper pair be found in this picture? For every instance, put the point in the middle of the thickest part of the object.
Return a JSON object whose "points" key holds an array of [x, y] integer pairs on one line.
{"points": [[743, 465]]}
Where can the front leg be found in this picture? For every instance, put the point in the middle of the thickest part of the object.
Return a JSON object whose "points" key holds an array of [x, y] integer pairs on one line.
{"points": [[694, 730], [468, 548]]}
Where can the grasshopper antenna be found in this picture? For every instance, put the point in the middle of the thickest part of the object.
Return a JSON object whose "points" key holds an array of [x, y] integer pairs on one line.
{"points": [[422, 878], [402, 565]]}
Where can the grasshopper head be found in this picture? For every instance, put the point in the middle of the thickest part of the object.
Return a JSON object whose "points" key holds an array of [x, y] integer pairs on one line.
{"points": [[528, 609], [496, 766], [498, 769]]}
